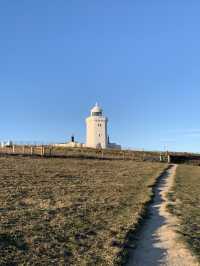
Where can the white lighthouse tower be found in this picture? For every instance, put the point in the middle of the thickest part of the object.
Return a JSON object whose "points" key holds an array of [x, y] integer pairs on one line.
{"points": [[96, 135]]}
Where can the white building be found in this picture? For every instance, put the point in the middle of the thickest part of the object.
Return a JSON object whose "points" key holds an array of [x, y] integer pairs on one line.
{"points": [[96, 133], [72, 143], [96, 130], [8, 143]]}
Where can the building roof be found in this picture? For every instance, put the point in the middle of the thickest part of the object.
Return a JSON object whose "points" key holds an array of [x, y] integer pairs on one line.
{"points": [[96, 109]]}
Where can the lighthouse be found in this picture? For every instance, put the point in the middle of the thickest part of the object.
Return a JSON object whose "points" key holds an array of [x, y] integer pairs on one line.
{"points": [[96, 133], [96, 129]]}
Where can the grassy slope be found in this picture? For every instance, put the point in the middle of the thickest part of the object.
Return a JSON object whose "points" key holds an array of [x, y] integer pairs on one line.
{"points": [[68, 211], [186, 195]]}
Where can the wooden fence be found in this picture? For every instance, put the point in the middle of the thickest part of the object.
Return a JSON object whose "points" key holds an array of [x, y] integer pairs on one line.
{"points": [[52, 151]]}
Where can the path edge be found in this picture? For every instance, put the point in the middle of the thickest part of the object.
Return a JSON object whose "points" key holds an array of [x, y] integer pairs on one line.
{"points": [[132, 235]]}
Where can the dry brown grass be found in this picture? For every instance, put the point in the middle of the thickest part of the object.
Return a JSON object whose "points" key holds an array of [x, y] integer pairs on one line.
{"points": [[70, 211], [185, 196]]}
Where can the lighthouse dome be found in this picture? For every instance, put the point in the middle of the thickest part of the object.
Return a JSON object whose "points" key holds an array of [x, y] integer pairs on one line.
{"points": [[96, 110]]}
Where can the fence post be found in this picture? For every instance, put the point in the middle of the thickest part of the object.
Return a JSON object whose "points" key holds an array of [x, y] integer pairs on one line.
{"points": [[41, 151], [123, 155], [169, 158], [13, 149], [102, 155], [31, 150], [23, 150]]}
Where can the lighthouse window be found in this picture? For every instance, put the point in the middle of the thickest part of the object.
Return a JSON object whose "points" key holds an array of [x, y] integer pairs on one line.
{"points": [[96, 113]]}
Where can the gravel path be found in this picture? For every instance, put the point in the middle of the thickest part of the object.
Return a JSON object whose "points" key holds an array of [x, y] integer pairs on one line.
{"points": [[157, 242]]}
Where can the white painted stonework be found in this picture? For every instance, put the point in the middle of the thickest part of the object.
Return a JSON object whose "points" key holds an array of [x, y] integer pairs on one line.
{"points": [[96, 129], [96, 133], [70, 144]]}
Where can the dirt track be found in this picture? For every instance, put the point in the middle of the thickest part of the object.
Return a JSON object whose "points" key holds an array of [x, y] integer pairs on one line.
{"points": [[157, 242]]}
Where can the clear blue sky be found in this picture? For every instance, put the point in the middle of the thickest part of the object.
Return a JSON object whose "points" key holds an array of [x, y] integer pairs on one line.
{"points": [[139, 59]]}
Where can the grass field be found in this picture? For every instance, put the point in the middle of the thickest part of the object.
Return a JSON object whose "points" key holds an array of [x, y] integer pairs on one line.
{"points": [[186, 196], [70, 211]]}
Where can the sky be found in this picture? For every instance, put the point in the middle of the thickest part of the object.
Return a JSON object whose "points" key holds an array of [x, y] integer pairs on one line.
{"points": [[139, 59]]}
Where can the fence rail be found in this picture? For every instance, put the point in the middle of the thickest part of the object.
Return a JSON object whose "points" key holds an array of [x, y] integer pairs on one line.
{"points": [[107, 154], [52, 151]]}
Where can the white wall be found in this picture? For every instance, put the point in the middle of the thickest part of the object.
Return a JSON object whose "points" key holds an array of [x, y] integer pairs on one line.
{"points": [[96, 131]]}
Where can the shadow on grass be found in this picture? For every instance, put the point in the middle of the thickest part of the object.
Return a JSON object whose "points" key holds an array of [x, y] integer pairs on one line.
{"points": [[17, 241], [143, 245]]}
